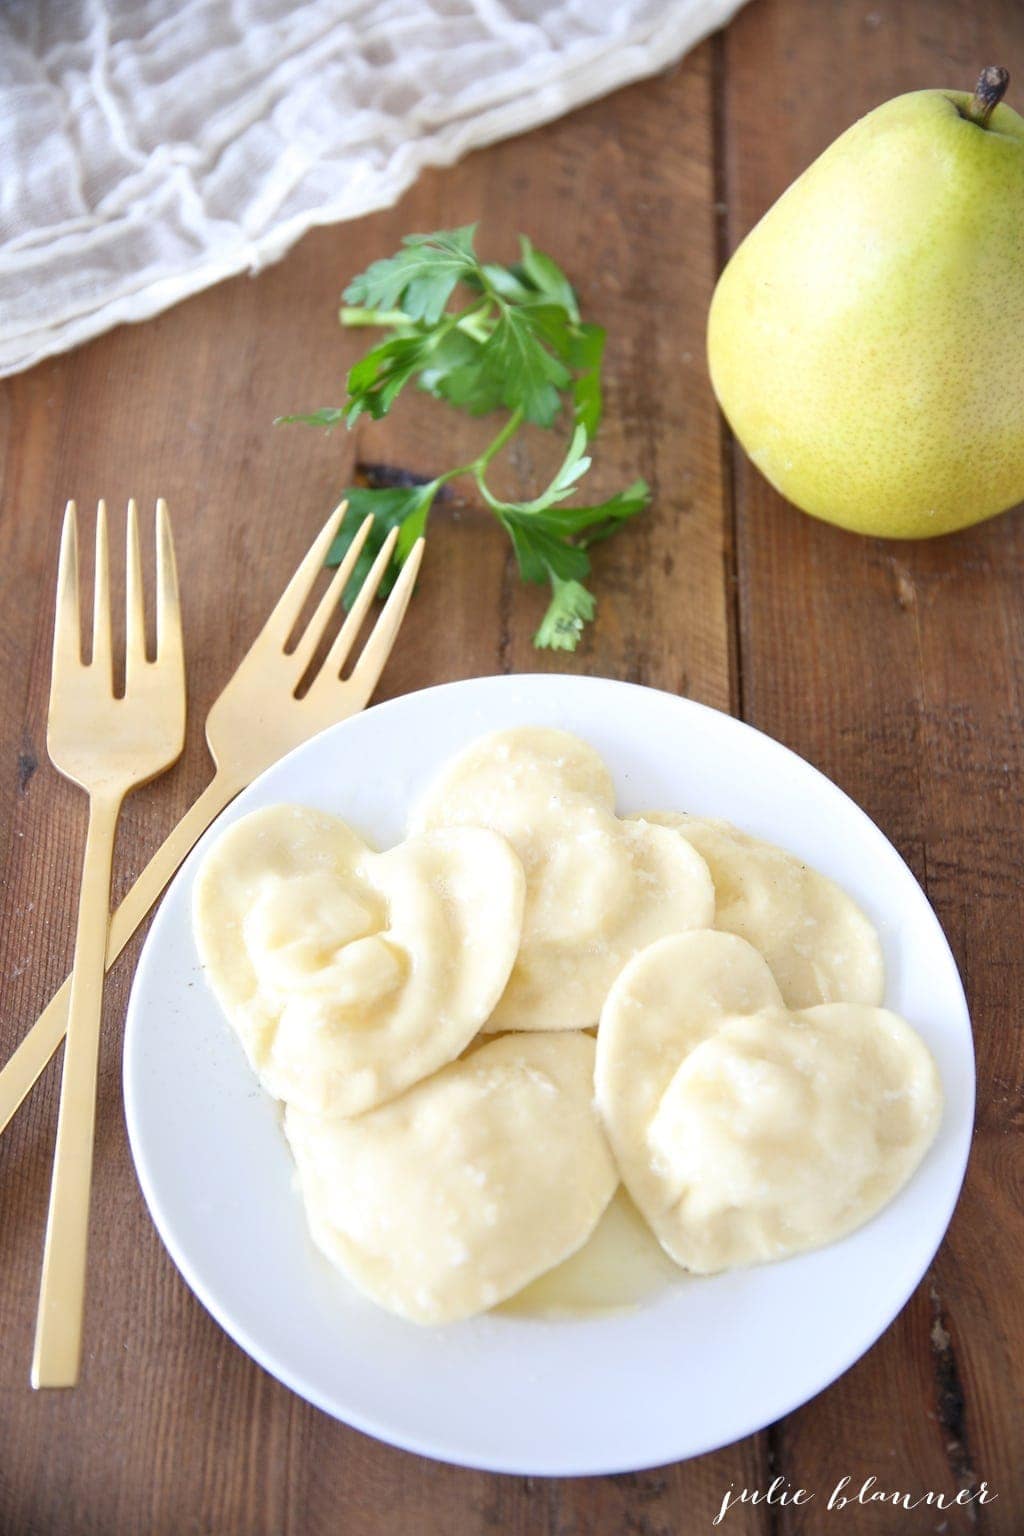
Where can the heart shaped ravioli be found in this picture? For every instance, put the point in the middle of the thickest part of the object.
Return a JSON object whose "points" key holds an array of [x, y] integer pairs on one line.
{"points": [[820, 946], [349, 974], [745, 1131], [454, 1196], [597, 889]]}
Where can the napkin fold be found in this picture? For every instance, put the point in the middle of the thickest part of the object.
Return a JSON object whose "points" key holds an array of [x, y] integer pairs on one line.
{"points": [[149, 150]]}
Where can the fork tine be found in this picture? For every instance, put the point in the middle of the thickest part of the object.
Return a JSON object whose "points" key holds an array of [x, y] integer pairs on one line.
{"points": [[135, 615], [101, 648], [310, 639], [286, 611], [377, 649], [338, 653], [168, 607], [67, 629]]}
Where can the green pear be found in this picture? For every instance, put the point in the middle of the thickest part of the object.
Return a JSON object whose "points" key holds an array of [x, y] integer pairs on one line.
{"points": [[866, 341]]}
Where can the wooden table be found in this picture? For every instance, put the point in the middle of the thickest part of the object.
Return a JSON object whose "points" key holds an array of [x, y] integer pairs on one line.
{"points": [[896, 668]]}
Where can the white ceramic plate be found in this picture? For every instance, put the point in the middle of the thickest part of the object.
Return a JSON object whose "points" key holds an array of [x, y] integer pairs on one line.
{"points": [[698, 1365]]}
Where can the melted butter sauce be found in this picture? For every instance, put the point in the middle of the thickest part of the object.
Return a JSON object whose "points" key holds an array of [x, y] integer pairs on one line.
{"points": [[620, 1266]]}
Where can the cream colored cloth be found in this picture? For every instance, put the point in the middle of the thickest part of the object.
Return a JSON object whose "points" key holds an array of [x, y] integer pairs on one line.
{"points": [[148, 149]]}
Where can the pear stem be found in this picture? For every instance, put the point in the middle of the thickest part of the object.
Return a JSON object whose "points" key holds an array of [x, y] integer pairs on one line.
{"points": [[988, 93]]}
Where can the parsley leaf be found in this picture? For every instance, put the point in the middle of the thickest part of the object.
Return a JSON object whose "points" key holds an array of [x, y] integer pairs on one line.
{"points": [[547, 278], [586, 358], [420, 279], [595, 523], [404, 507], [378, 378], [513, 341], [570, 608], [543, 556], [515, 363]]}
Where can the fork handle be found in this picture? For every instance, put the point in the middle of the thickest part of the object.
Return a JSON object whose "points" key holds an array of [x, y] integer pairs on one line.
{"points": [[58, 1342], [26, 1063]]}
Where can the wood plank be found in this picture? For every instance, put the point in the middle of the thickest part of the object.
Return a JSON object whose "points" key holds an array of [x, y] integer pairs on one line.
{"points": [[902, 681], [653, 237], [173, 1429]]}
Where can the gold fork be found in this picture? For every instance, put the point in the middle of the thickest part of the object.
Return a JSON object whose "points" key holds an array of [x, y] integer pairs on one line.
{"points": [[108, 746], [257, 718]]}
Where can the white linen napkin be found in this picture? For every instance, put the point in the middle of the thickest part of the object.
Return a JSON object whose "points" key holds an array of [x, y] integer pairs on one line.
{"points": [[148, 150]]}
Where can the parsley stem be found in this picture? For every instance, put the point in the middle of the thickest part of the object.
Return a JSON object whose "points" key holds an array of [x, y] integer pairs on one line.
{"points": [[494, 447], [477, 466], [474, 321], [350, 316]]}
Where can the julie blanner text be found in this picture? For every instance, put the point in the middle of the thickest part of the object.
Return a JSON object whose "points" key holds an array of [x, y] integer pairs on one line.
{"points": [[848, 1495]]}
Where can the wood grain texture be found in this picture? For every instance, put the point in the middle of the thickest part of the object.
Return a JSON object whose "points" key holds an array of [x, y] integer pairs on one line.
{"points": [[896, 668], [902, 681], [173, 1430]]}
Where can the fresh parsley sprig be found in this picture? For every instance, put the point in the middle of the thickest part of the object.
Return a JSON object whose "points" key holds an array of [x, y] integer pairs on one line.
{"points": [[517, 343]]}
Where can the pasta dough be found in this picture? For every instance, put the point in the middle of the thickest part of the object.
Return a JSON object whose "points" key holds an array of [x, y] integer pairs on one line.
{"points": [[745, 1131], [457, 1194], [820, 946], [597, 889], [349, 974], [743, 1084]]}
